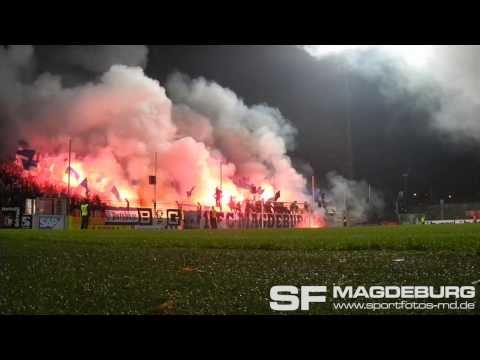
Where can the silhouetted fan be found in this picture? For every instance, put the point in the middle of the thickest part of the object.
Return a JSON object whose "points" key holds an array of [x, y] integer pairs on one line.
{"points": [[277, 195], [189, 193], [26, 156], [116, 193]]}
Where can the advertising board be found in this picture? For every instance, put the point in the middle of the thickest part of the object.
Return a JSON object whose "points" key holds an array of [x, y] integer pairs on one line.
{"points": [[10, 217], [51, 222], [128, 216]]}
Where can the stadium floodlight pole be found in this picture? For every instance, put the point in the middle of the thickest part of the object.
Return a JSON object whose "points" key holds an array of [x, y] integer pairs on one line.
{"points": [[155, 187], [313, 189], [69, 163], [405, 189], [313, 198], [442, 209], [397, 208], [348, 115], [261, 216], [221, 175]]}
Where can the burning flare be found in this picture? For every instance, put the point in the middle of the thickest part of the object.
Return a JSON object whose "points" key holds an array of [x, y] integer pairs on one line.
{"points": [[118, 123]]}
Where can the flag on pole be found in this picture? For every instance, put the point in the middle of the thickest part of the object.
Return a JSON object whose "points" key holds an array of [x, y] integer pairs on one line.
{"points": [[189, 193], [26, 156], [277, 196], [73, 173], [84, 184], [242, 182], [116, 193]]}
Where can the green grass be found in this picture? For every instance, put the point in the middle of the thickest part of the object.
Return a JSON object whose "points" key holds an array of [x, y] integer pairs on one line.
{"points": [[220, 272]]}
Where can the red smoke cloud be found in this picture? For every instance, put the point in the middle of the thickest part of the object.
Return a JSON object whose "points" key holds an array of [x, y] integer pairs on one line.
{"points": [[118, 123]]}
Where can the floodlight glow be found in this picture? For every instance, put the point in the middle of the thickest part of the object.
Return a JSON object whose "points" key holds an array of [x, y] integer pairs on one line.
{"points": [[413, 55]]}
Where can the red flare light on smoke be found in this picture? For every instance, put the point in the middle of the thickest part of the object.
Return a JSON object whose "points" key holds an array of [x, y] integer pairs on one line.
{"points": [[100, 172], [118, 123]]}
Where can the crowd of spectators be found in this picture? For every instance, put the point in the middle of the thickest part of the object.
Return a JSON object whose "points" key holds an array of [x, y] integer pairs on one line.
{"points": [[18, 185], [15, 186]]}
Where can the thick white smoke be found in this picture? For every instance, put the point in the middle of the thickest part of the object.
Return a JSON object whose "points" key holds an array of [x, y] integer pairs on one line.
{"points": [[444, 79], [359, 200], [254, 139], [457, 70], [15, 62], [441, 80], [21, 93], [119, 121]]}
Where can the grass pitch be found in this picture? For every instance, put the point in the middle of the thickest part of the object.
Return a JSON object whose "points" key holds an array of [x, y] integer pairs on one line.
{"points": [[222, 272]]}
